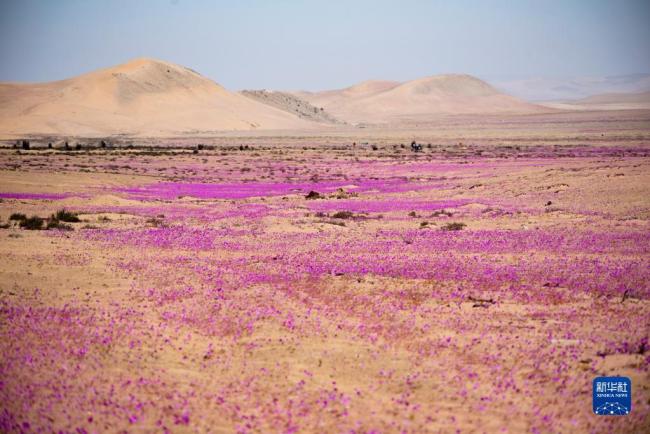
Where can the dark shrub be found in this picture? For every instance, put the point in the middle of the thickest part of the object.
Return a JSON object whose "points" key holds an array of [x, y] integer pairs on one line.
{"points": [[343, 215], [17, 216], [313, 195], [66, 216], [33, 223], [156, 222], [441, 212], [56, 224], [455, 226]]}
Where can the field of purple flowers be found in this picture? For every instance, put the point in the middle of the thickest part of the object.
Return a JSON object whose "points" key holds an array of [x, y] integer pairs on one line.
{"points": [[278, 290]]}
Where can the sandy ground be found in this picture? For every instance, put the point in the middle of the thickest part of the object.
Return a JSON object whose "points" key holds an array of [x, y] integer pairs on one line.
{"points": [[202, 292]]}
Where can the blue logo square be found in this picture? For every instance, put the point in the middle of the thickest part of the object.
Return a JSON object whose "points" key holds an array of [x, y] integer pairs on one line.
{"points": [[612, 396]]}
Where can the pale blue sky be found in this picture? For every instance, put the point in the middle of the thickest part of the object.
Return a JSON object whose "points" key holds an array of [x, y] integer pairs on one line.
{"points": [[315, 45]]}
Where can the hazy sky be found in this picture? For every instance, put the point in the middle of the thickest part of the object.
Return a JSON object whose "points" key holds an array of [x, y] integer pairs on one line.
{"points": [[323, 44]]}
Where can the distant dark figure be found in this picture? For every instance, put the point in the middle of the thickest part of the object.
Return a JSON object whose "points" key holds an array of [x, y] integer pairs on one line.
{"points": [[103, 144], [78, 147], [241, 147], [199, 147], [49, 145], [66, 145], [25, 144], [416, 147]]}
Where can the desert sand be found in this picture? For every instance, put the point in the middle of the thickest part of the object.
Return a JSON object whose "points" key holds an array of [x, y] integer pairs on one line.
{"points": [[230, 265]]}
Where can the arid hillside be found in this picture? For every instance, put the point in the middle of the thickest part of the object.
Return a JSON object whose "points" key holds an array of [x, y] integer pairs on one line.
{"points": [[142, 97]]}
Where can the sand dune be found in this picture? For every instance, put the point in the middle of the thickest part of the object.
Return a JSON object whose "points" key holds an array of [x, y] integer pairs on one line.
{"points": [[142, 97], [389, 101]]}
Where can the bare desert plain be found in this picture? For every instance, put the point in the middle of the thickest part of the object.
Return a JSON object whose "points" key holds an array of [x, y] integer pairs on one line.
{"points": [[329, 280]]}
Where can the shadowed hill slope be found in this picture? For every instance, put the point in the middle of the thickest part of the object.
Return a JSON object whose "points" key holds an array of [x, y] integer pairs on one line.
{"points": [[292, 104]]}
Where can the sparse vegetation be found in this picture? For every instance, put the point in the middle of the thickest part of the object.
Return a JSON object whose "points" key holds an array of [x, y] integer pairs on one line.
{"points": [[53, 223], [335, 223], [17, 216], [455, 226], [32, 223], [156, 222], [343, 215], [66, 216], [442, 212]]}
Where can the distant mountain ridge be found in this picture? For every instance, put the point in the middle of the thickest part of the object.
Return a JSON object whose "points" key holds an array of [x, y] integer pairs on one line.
{"points": [[149, 97], [572, 88], [617, 98], [606, 101], [391, 101]]}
